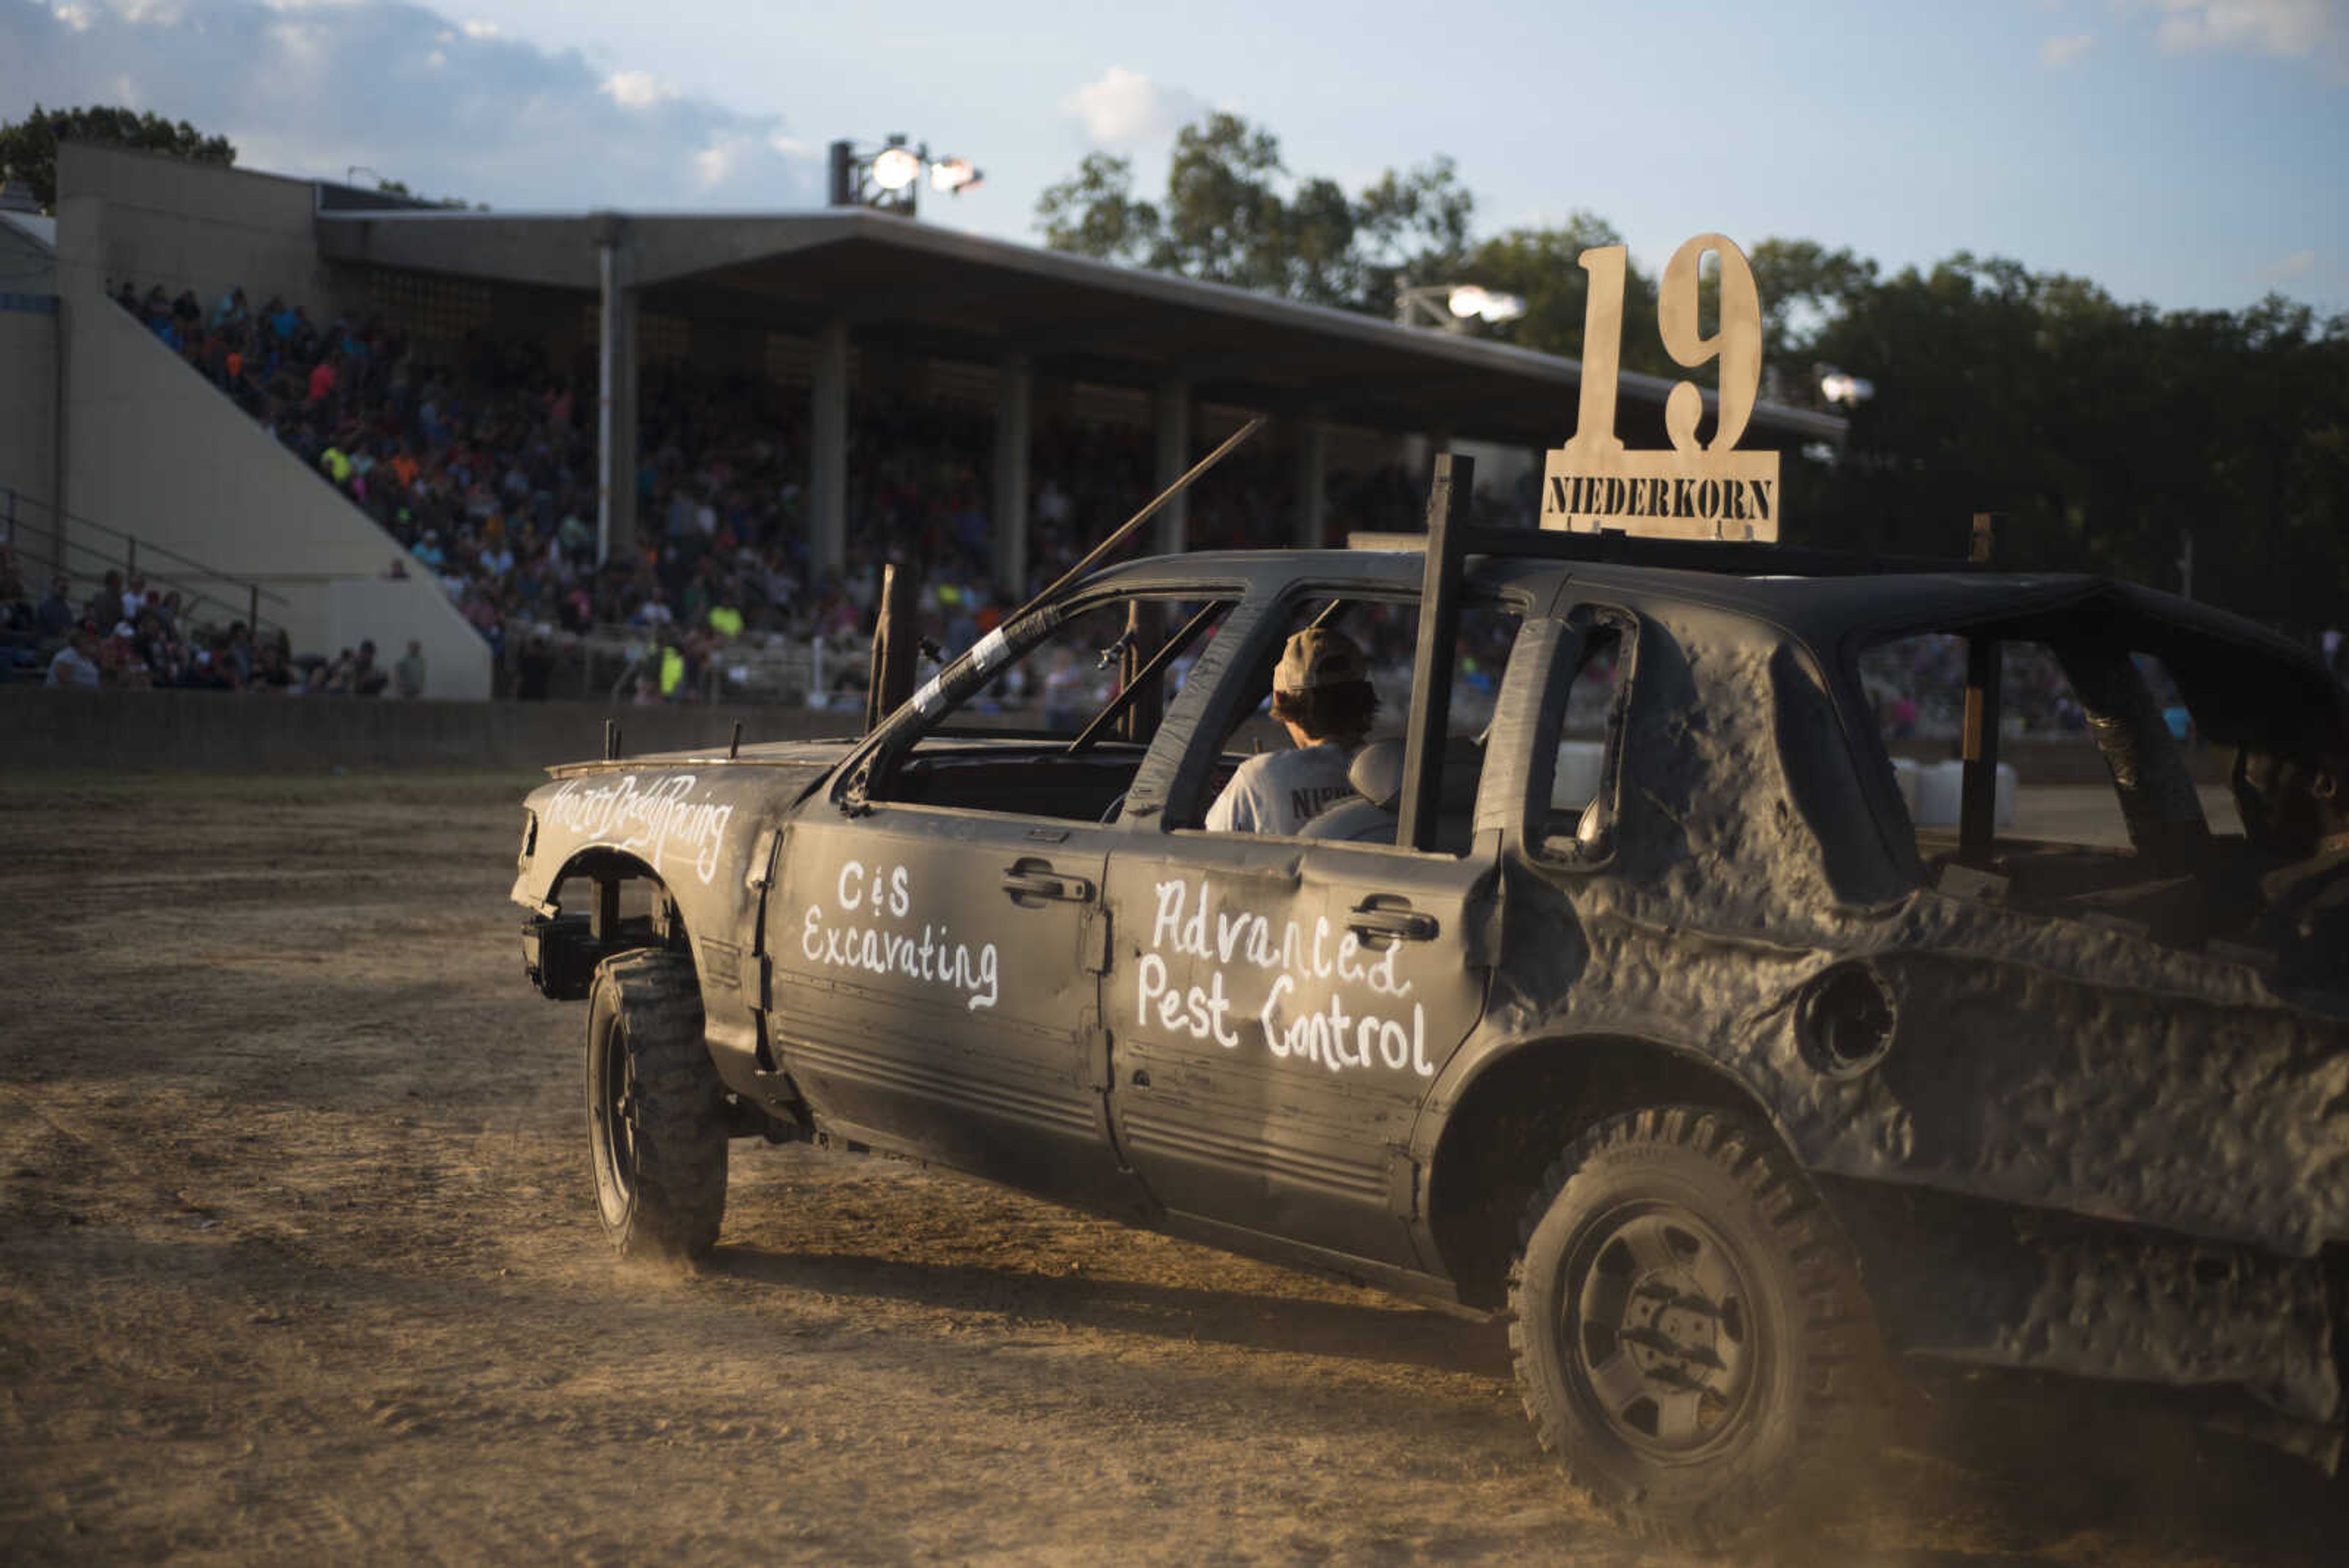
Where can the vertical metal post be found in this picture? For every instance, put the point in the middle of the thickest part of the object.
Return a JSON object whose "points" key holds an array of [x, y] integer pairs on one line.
{"points": [[1313, 481], [897, 640], [607, 384], [1014, 416], [1978, 790], [1173, 416], [615, 392], [130, 557], [1439, 635], [828, 455], [1143, 634], [253, 611]]}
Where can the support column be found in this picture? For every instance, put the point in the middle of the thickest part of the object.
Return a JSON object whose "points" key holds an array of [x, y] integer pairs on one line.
{"points": [[615, 397], [1173, 414], [1313, 481], [828, 455], [1014, 431]]}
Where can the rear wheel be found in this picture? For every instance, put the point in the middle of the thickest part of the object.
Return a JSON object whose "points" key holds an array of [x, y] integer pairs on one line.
{"points": [[1691, 1336], [656, 1127]]}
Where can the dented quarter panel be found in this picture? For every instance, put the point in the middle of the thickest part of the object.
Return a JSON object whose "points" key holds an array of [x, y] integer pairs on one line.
{"points": [[2127, 1112]]}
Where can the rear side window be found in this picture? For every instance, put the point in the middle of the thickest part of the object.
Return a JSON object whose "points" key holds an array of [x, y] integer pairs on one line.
{"points": [[1584, 785]]}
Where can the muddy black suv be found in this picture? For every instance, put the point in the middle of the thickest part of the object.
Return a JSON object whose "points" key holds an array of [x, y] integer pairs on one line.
{"points": [[1633, 1002]]}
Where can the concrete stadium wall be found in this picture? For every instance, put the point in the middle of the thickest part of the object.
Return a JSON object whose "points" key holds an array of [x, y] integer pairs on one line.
{"points": [[211, 731], [149, 219], [29, 389], [28, 422], [154, 450]]}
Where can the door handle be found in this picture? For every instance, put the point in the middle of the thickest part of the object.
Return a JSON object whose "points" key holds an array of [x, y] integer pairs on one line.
{"points": [[1026, 881], [1372, 923]]}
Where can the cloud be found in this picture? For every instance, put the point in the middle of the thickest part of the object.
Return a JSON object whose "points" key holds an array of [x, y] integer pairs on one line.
{"points": [[2058, 53], [2313, 30], [447, 107], [2289, 269], [1120, 107], [637, 89]]}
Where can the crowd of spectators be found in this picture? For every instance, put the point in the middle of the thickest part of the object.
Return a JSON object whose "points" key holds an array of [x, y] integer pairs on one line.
{"points": [[480, 464], [126, 634], [482, 469]]}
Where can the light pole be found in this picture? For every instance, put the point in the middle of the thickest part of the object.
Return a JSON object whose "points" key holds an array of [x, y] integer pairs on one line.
{"points": [[888, 178]]}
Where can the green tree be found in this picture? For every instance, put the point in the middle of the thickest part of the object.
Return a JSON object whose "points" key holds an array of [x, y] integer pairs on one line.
{"points": [[453, 204], [1093, 214], [1413, 228], [1234, 214], [1803, 287], [28, 147], [1544, 268]]}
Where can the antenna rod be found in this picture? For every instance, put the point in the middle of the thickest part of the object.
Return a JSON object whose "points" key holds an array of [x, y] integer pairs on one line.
{"points": [[1126, 528]]}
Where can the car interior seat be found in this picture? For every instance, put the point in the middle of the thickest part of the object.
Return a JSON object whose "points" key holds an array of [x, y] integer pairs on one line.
{"points": [[1376, 774], [1369, 816]]}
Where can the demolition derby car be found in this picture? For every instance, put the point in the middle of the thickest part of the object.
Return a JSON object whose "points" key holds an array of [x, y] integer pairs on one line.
{"points": [[1635, 1002]]}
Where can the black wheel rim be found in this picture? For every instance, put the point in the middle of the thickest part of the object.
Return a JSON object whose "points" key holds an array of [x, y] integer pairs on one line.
{"points": [[612, 1105], [1660, 1329]]}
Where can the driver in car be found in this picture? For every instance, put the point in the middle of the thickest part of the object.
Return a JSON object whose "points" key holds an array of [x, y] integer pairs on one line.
{"points": [[1321, 695]]}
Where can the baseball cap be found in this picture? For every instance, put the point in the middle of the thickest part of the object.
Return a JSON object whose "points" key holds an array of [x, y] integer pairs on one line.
{"points": [[1315, 657]]}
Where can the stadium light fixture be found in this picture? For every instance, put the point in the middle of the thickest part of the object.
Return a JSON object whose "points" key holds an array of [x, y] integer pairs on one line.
{"points": [[953, 176], [1451, 306], [888, 178], [1838, 386], [895, 169]]}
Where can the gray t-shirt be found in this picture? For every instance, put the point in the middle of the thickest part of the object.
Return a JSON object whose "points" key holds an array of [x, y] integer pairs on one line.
{"points": [[1280, 792]]}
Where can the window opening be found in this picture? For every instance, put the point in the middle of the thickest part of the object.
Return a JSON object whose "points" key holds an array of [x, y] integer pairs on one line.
{"points": [[1580, 822], [2094, 811], [1360, 807], [1042, 734]]}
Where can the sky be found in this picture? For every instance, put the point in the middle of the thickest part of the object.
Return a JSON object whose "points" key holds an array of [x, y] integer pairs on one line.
{"points": [[2192, 153]]}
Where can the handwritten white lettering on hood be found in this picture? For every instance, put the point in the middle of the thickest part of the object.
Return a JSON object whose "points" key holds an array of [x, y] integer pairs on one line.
{"points": [[661, 819]]}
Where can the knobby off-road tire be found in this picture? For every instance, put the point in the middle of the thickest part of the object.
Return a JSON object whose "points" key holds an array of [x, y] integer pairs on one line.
{"points": [[1691, 1336], [656, 1127]]}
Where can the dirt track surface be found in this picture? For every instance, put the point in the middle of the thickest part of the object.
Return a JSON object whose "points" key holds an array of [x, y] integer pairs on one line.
{"points": [[298, 1262]]}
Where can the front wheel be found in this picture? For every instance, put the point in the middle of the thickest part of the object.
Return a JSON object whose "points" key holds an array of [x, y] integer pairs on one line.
{"points": [[1691, 1335], [657, 1129]]}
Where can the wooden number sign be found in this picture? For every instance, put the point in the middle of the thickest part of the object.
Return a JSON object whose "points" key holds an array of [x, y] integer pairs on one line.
{"points": [[1688, 491]]}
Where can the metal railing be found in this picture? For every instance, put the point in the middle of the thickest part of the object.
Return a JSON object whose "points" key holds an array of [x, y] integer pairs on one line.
{"points": [[63, 551], [604, 663]]}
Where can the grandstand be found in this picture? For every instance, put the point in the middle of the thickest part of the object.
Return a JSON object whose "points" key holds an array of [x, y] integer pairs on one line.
{"points": [[654, 457]]}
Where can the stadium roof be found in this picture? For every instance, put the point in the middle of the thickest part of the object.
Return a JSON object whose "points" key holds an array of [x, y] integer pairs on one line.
{"points": [[940, 292]]}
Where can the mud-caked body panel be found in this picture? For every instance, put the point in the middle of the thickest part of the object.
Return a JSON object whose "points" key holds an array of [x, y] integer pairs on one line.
{"points": [[2150, 1145], [2054, 1143]]}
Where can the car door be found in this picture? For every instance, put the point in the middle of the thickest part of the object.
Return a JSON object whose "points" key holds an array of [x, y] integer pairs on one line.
{"points": [[935, 972], [937, 940], [1275, 1021], [1277, 1009]]}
